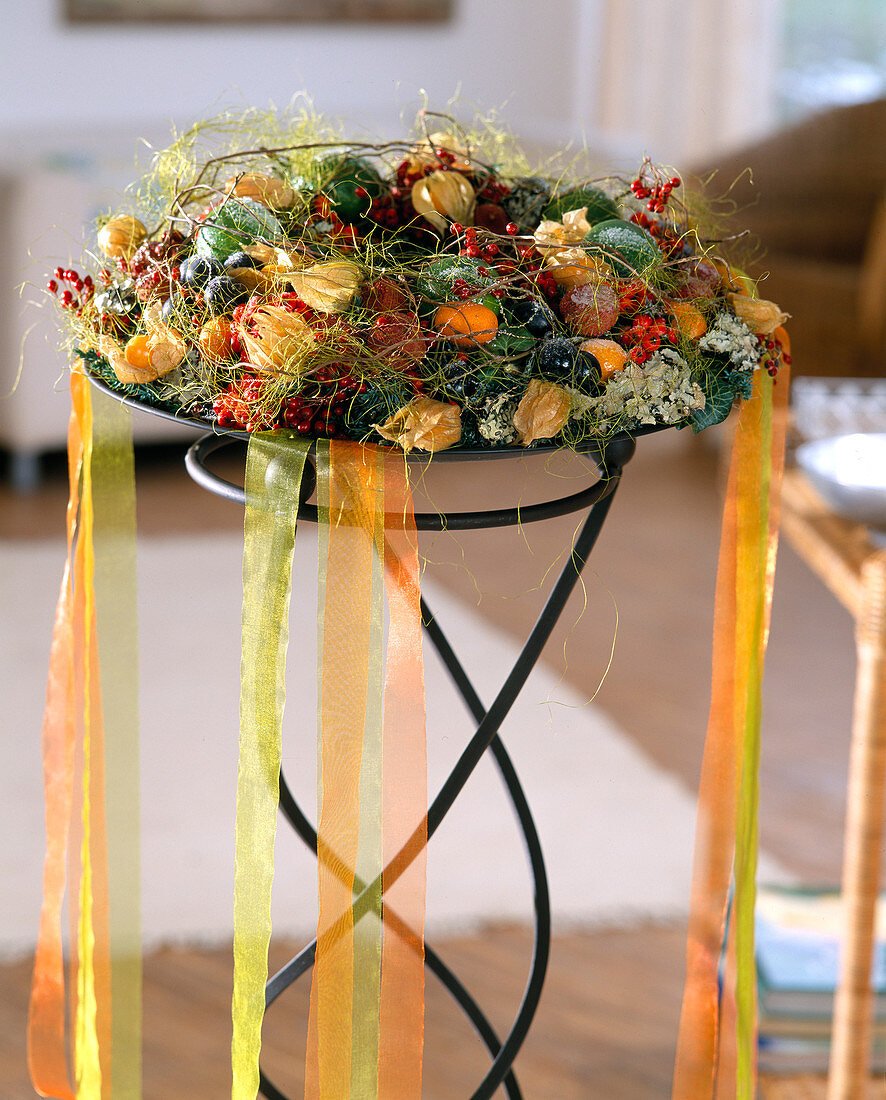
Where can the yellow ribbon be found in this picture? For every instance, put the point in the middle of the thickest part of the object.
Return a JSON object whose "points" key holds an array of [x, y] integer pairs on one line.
{"points": [[370, 850], [274, 467], [116, 617]]}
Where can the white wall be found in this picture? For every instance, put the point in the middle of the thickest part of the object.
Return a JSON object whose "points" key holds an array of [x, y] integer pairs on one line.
{"points": [[496, 52], [679, 79]]}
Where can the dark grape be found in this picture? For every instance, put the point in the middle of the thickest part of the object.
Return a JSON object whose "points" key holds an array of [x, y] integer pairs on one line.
{"points": [[197, 271], [555, 358], [586, 373], [241, 259], [533, 316], [223, 293]]}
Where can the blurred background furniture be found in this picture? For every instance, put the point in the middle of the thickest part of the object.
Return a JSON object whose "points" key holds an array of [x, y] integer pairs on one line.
{"points": [[813, 196], [53, 186], [850, 565], [849, 558]]}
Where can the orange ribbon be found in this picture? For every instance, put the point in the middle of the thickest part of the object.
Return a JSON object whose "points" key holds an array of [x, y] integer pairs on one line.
{"points": [[99, 554], [405, 802], [367, 1001], [717, 1042], [47, 1056], [349, 495]]}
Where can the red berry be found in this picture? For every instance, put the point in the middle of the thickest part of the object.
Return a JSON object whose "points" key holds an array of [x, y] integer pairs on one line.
{"points": [[52, 286]]}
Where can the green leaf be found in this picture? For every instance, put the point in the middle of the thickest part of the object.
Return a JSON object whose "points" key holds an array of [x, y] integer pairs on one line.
{"points": [[720, 392], [511, 340]]}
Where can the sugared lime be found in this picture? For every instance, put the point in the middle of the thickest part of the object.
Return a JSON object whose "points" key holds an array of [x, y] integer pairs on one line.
{"points": [[624, 241], [235, 223], [438, 279], [350, 184], [600, 207]]}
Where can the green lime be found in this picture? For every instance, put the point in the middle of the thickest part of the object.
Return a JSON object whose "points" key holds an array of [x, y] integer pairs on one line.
{"points": [[437, 279], [350, 184], [235, 223], [628, 242], [600, 206]]}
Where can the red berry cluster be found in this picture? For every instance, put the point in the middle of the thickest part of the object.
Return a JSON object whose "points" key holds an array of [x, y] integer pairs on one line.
{"points": [[546, 283], [649, 224], [667, 240], [656, 193], [383, 210], [323, 414], [407, 176], [236, 406], [463, 290], [394, 210], [445, 156], [492, 190], [646, 335], [318, 410], [633, 296], [772, 354], [471, 245], [445, 162], [77, 292], [318, 415], [339, 231]]}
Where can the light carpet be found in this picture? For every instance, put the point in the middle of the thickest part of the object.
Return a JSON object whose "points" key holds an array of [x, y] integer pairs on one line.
{"points": [[616, 829]]}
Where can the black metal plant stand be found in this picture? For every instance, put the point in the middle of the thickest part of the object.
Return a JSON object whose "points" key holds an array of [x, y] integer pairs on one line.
{"points": [[609, 460]]}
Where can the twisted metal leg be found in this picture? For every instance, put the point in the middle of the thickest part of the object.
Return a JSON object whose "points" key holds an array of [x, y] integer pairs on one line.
{"points": [[305, 959], [485, 737]]}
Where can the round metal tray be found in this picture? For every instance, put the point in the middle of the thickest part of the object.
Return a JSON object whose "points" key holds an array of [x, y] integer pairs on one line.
{"points": [[453, 454]]}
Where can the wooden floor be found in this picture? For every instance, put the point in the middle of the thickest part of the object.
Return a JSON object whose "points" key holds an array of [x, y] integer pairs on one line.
{"points": [[607, 1024], [629, 983]]}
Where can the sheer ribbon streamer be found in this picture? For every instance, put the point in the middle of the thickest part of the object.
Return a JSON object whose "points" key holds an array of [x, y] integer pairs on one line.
{"points": [[367, 999], [274, 468], [716, 1051], [90, 747]]}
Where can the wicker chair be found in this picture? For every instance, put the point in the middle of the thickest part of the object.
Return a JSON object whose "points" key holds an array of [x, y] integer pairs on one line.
{"points": [[815, 196]]}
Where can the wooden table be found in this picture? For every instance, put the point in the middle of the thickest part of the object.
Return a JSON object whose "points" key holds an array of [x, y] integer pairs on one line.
{"points": [[846, 560]]}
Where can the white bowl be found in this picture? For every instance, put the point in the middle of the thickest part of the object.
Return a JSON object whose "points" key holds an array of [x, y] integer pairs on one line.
{"points": [[850, 473]]}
